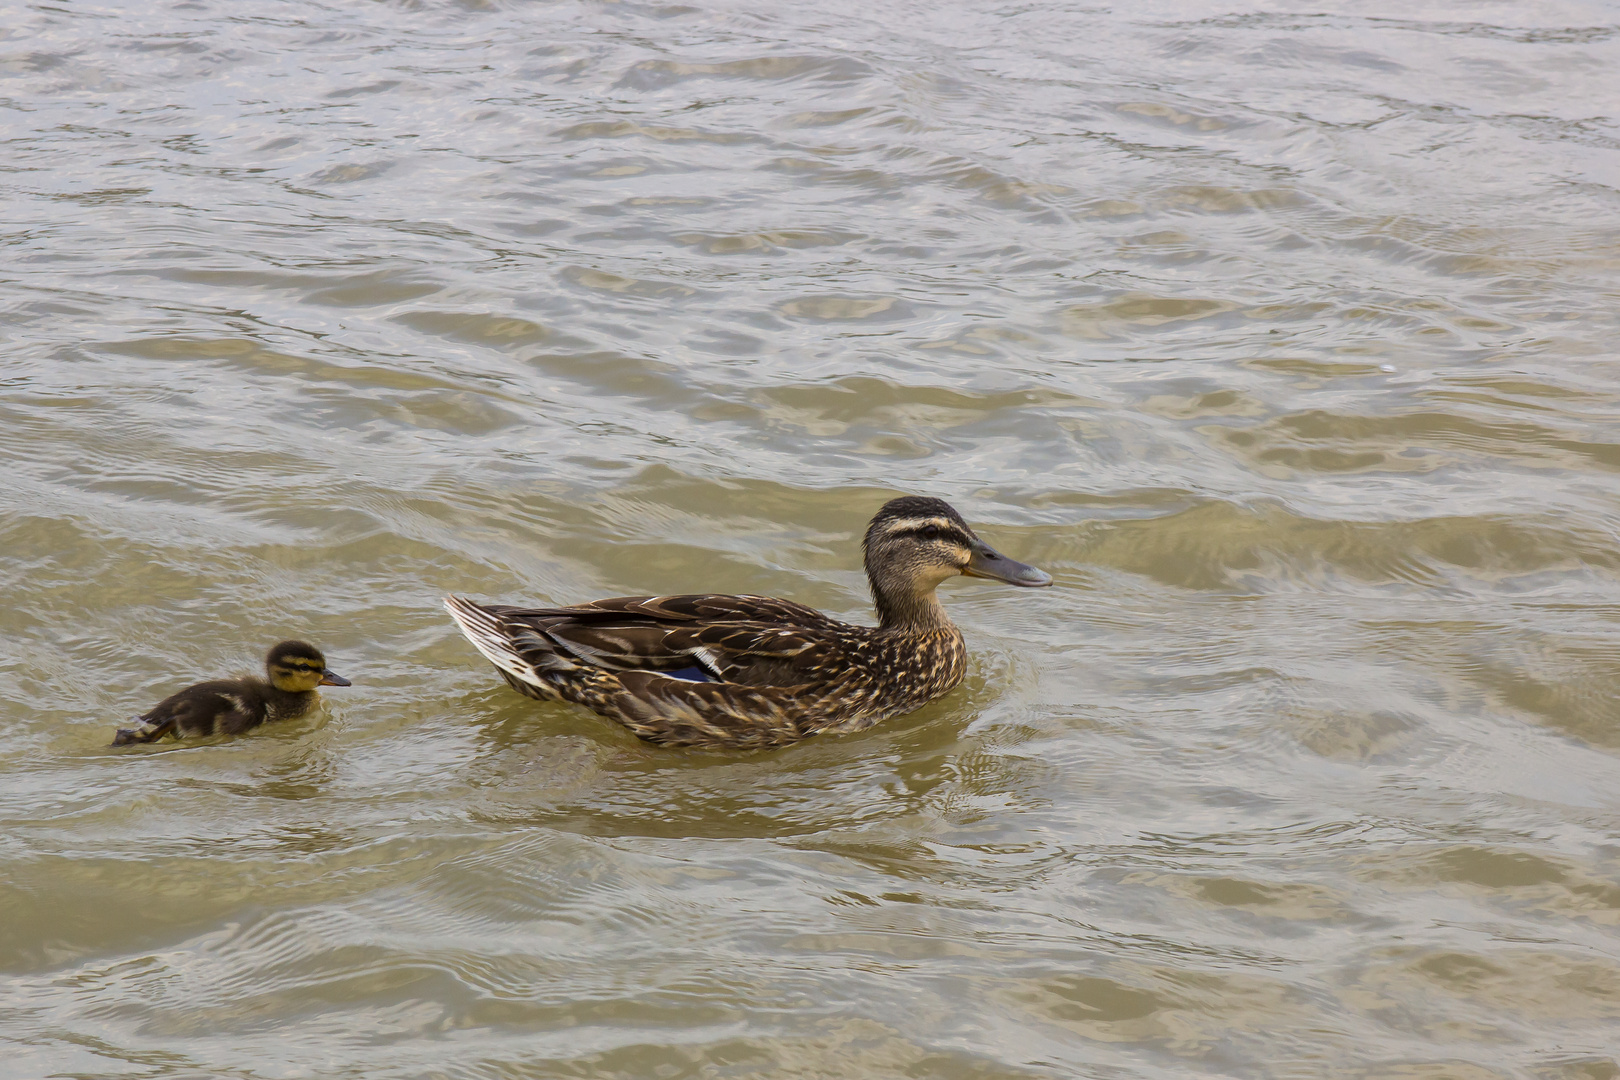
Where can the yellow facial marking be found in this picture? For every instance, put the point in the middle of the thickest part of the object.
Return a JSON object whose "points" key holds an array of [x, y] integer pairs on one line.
{"points": [[296, 673]]}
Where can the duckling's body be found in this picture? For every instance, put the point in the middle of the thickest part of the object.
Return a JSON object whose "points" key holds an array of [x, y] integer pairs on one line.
{"points": [[231, 706], [750, 672]]}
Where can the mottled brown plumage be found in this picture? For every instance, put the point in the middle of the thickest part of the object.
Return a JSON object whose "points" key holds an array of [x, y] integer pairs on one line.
{"points": [[751, 672], [231, 706]]}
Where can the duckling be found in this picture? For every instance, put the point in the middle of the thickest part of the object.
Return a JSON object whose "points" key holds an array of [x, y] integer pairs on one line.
{"points": [[753, 672], [232, 706]]}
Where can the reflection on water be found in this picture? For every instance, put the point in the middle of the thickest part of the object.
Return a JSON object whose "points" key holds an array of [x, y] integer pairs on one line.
{"points": [[1280, 336]]}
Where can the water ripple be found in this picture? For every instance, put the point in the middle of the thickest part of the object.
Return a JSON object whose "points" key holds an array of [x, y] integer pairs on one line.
{"points": [[1280, 338]]}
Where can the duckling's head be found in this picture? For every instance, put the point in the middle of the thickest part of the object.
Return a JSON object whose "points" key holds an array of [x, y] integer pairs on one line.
{"points": [[297, 666], [914, 543]]}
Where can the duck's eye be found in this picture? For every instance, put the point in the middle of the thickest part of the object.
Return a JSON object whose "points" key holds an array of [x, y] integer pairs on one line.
{"points": [[930, 532]]}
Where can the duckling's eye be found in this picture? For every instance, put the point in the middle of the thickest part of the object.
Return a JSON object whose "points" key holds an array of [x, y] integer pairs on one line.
{"points": [[930, 532]]}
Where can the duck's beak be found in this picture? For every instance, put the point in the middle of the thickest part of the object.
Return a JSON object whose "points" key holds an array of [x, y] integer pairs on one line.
{"points": [[332, 678], [988, 563]]}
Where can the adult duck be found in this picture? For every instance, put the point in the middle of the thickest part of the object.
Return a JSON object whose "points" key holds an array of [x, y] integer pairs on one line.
{"points": [[752, 672]]}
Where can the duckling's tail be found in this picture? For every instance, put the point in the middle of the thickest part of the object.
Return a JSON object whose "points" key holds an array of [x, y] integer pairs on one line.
{"points": [[144, 731], [518, 650]]}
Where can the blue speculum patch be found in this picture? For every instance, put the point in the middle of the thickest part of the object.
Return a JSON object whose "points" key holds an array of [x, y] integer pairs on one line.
{"points": [[690, 674]]}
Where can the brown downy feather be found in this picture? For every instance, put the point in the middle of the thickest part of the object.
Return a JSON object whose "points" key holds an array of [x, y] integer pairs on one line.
{"points": [[231, 706]]}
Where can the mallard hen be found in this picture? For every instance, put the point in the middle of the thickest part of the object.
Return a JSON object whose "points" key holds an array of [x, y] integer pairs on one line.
{"points": [[751, 672], [231, 706]]}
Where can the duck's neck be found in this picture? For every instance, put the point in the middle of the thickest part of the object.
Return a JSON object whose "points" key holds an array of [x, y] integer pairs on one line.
{"points": [[286, 704], [910, 612]]}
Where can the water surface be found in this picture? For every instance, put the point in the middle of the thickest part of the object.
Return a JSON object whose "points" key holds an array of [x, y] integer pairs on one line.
{"points": [[1282, 335]]}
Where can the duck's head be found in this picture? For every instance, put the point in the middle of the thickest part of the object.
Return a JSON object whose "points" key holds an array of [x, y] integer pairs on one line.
{"points": [[914, 543], [297, 666]]}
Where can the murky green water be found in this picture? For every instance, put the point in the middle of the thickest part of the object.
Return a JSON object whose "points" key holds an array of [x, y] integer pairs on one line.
{"points": [[1283, 336]]}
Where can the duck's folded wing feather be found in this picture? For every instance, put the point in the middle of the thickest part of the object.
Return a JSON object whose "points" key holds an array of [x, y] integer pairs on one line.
{"points": [[686, 608], [746, 639]]}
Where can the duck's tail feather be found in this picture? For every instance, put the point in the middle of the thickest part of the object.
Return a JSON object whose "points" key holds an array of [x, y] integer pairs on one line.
{"points": [[144, 731], [500, 643]]}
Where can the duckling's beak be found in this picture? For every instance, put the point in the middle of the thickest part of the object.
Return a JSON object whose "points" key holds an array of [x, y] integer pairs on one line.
{"points": [[332, 678], [988, 563]]}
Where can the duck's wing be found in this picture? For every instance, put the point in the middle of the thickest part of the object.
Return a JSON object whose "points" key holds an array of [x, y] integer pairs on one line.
{"points": [[753, 640], [203, 709]]}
